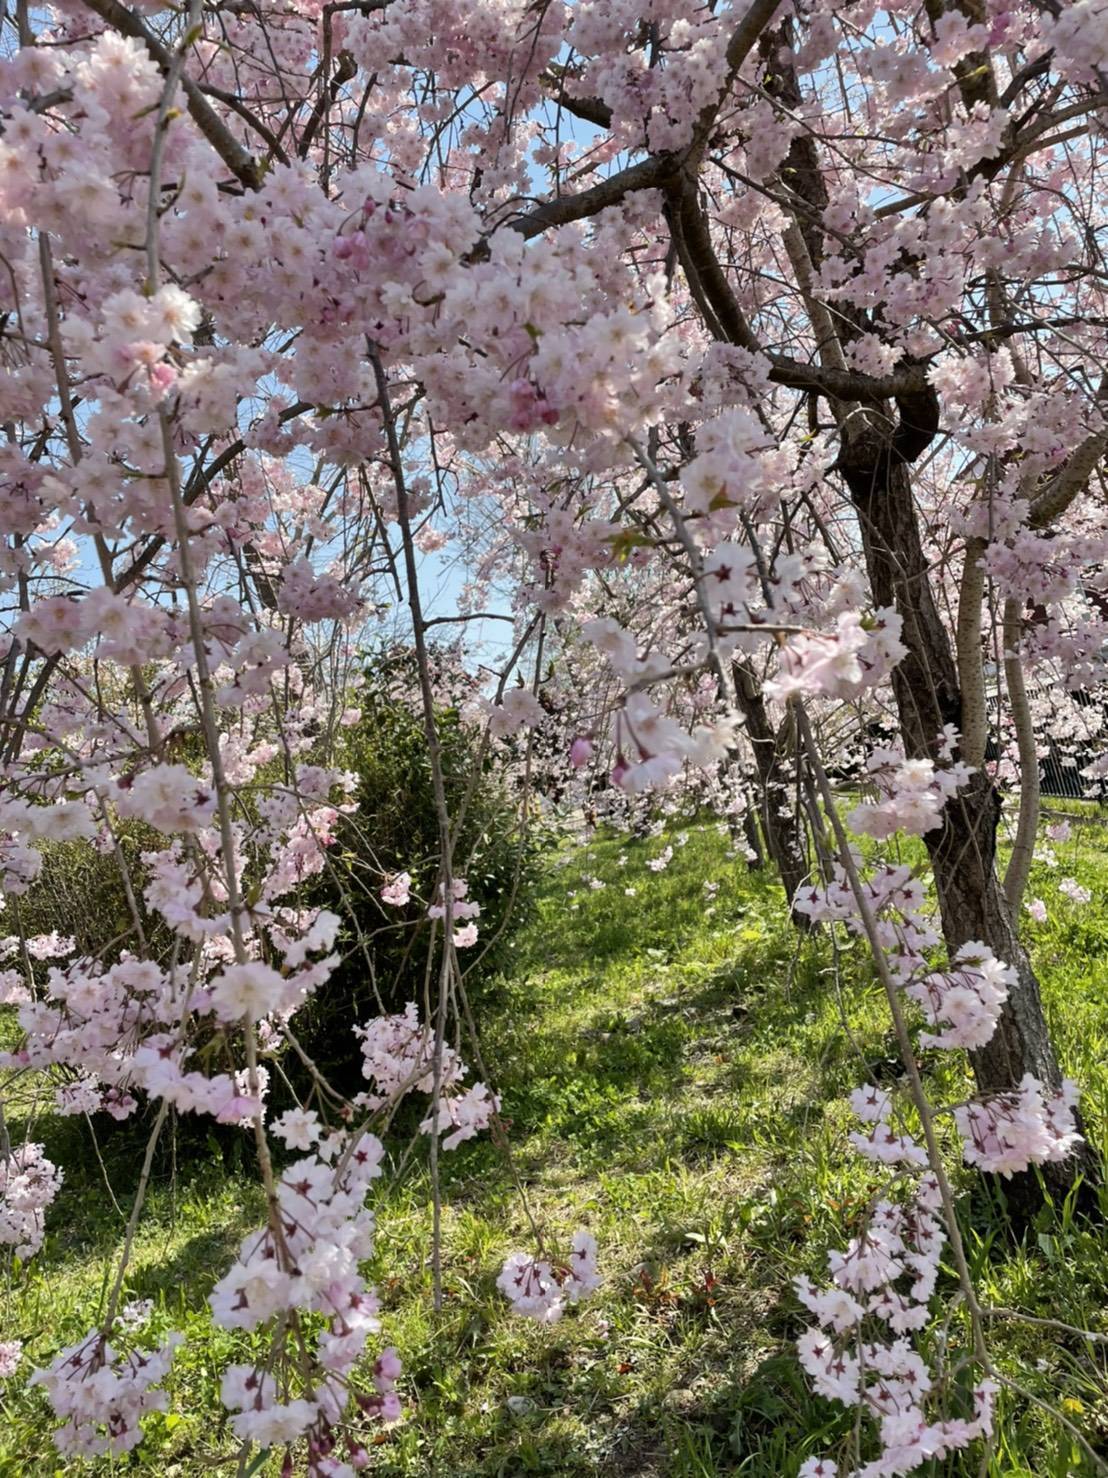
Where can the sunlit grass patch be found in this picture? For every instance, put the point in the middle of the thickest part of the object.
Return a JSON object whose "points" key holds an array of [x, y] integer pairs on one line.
{"points": [[673, 1065]]}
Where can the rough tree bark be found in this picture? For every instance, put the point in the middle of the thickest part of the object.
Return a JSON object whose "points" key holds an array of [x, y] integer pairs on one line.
{"points": [[779, 821]]}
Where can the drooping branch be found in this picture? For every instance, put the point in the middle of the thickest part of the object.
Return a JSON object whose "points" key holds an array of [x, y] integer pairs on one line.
{"points": [[1023, 849], [971, 672]]}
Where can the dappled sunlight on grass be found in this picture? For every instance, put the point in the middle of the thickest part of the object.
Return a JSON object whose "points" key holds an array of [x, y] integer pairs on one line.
{"points": [[673, 1068]]}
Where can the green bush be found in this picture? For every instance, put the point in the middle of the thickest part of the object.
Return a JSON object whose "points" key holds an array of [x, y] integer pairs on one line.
{"points": [[395, 829], [79, 892]]}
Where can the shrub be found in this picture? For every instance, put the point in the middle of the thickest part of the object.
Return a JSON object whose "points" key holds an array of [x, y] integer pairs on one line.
{"points": [[395, 829]]}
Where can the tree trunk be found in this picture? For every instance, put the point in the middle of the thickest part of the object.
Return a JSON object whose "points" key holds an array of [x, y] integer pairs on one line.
{"points": [[972, 903], [779, 821]]}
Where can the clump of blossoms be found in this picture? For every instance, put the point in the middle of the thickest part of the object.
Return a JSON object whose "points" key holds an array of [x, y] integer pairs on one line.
{"points": [[1004, 1133], [1007, 1132], [860, 1351], [897, 902], [398, 1057], [102, 1390], [914, 792], [541, 1288], [859, 654], [462, 907], [397, 891], [117, 1031], [29, 1183], [966, 999], [306, 1262]]}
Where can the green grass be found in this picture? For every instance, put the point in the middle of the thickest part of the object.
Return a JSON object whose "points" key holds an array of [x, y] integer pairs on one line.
{"points": [[674, 1069]]}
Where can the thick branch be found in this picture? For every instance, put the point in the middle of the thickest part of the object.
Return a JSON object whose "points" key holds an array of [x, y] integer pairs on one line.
{"points": [[707, 279], [648, 174], [658, 168], [1060, 492], [238, 160], [589, 110]]}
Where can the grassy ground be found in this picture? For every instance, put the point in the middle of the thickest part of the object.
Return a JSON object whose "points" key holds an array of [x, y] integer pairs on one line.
{"points": [[674, 1067]]}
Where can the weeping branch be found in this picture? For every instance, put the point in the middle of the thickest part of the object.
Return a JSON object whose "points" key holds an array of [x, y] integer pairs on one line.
{"points": [[1023, 850]]}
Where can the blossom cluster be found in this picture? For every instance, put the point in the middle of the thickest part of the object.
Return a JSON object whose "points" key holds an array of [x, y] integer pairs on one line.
{"points": [[306, 1260], [914, 793], [888, 1274], [859, 1351], [398, 1057], [541, 1288], [857, 655], [29, 1183], [1007, 1132], [102, 1391]]}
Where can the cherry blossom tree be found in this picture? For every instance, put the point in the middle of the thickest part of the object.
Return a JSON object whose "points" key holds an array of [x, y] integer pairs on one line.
{"points": [[750, 360]]}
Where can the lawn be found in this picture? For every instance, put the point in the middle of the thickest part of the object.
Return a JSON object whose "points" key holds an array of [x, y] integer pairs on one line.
{"points": [[673, 1063]]}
